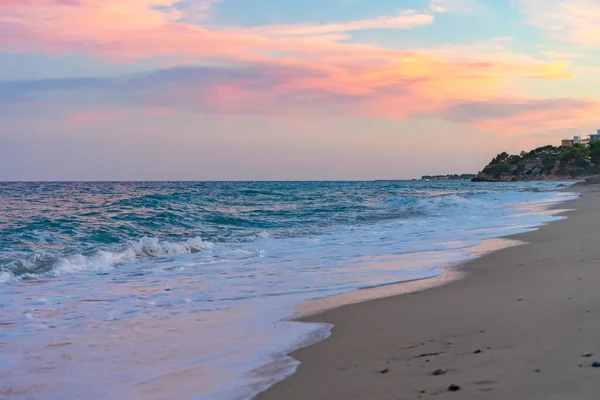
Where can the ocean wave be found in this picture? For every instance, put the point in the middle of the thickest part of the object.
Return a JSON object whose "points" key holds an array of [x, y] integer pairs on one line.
{"points": [[451, 201], [44, 264], [154, 247], [426, 205]]}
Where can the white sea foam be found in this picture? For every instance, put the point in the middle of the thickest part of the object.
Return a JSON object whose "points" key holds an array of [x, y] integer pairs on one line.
{"points": [[446, 202], [104, 260], [153, 247], [6, 276], [100, 261]]}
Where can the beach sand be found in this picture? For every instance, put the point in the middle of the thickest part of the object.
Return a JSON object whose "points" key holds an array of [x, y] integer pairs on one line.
{"points": [[532, 310]]}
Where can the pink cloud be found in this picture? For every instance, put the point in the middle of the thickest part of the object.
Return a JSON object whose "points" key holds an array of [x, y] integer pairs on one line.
{"points": [[522, 116], [335, 76], [574, 21]]}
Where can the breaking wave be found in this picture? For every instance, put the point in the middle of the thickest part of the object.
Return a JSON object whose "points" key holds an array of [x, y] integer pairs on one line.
{"points": [[40, 264]]}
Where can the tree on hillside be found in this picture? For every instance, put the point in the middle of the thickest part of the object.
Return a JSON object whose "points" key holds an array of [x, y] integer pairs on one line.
{"points": [[578, 154], [500, 158], [595, 152]]}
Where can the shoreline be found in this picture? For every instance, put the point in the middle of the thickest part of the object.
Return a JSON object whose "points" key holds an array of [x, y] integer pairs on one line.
{"points": [[383, 334], [450, 272]]}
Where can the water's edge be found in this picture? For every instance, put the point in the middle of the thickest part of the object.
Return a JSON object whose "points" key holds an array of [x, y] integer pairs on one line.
{"points": [[306, 311]]}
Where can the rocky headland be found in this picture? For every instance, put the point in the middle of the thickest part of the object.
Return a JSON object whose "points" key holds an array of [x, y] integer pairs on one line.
{"points": [[544, 163]]}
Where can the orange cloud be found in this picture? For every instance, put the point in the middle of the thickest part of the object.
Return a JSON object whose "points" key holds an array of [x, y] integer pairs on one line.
{"points": [[551, 77], [560, 55], [336, 76]]}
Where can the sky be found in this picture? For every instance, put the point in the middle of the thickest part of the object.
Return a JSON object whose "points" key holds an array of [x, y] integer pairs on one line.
{"points": [[287, 89]]}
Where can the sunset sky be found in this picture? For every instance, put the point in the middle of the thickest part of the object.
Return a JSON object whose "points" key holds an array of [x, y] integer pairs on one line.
{"points": [[286, 89]]}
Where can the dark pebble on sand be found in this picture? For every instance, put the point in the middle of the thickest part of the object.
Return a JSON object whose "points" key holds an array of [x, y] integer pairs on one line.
{"points": [[537, 371], [454, 388], [384, 371], [439, 371], [477, 351], [587, 354]]}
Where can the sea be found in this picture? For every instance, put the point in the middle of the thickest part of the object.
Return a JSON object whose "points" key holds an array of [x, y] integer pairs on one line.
{"points": [[188, 290]]}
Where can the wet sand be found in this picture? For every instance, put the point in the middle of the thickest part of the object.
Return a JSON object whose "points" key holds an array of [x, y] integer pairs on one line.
{"points": [[532, 310]]}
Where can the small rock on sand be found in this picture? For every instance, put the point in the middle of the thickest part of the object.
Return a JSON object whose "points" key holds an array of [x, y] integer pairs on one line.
{"points": [[439, 371], [454, 388]]}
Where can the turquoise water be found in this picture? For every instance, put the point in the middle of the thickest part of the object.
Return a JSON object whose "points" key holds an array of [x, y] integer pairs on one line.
{"points": [[141, 285]]}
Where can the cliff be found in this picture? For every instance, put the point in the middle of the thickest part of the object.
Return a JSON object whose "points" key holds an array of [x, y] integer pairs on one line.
{"points": [[543, 163]]}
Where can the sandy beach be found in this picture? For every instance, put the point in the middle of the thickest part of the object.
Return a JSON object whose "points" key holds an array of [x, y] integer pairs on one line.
{"points": [[520, 326]]}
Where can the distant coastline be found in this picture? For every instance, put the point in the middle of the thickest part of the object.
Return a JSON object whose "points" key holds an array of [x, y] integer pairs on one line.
{"points": [[449, 177]]}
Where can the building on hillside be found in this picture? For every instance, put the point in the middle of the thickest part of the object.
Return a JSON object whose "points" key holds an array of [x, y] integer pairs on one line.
{"points": [[581, 140], [566, 143]]}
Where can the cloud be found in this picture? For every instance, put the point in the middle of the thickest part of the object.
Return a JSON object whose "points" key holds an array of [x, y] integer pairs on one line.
{"points": [[416, 86], [456, 6], [519, 116], [437, 8], [503, 39], [296, 69], [404, 20], [558, 55], [127, 30], [573, 21], [551, 77]]}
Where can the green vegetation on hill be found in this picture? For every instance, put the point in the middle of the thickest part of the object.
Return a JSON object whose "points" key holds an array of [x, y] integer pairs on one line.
{"points": [[548, 162]]}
